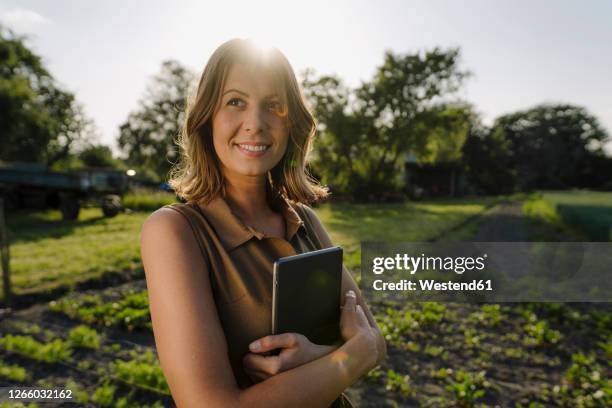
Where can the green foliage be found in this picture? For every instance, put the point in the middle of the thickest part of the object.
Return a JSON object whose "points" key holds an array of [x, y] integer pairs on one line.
{"points": [[488, 315], [104, 395], [375, 374], [26, 327], [130, 312], [18, 405], [97, 155], [147, 136], [78, 392], [546, 222], [394, 323], [56, 350], [540, 334], [144, 370], [588, 211], [467, 387], [537, 332], [585, 384], [434, 351], [472, 338], [487, 156], [448, 132], [538, 208], [365, 134], [606, 346], [399, 383], [14, 372], [553, 146], [83, 336], [40, 122], [147, 200]]}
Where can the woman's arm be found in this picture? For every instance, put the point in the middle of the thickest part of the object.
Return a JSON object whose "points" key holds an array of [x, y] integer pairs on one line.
{"points": [[348, 283], [191, 343]]}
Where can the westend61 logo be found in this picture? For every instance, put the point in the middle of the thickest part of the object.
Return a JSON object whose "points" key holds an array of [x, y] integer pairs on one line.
{"points": [[413, 264]]}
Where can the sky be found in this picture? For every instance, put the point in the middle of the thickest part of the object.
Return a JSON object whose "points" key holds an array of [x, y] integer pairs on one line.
{"points": [[520, 53]]}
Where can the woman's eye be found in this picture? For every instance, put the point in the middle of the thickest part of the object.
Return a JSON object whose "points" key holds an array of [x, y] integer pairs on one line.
{"points": [[236, 102], [275, 107]]}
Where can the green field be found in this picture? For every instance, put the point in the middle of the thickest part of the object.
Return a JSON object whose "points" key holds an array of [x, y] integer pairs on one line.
{"points": [[586, 214], [98, 342], [588, 211], [47, 252]]}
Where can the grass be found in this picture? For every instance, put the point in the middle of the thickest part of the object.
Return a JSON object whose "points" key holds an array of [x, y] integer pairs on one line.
{"points": [[47, 252], [144, 200], [350, 224], [588, 211]]}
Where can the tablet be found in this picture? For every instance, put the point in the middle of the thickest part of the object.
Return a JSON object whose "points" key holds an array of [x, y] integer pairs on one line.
{"points": [[306, 295]]}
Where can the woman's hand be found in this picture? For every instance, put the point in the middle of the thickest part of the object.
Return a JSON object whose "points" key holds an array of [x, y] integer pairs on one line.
{"points": [[355, 327], [296, 350]]}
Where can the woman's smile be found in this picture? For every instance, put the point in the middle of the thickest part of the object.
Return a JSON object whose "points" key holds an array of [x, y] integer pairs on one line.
{"points": [[253, 149]]}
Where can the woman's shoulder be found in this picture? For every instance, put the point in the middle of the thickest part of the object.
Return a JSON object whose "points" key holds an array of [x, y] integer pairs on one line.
{"points": [[174, 215], [167, 220], [180, 223], [168, 230]]}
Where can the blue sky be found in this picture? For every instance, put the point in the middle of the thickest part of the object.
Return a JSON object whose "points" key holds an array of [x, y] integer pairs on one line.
{"points": [[521, 53]]}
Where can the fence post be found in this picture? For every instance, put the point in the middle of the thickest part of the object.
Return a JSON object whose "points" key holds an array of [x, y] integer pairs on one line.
{"points": [[4, 254]]}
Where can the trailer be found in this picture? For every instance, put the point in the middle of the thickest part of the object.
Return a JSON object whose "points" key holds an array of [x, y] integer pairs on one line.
{"points": [[31, 185]]}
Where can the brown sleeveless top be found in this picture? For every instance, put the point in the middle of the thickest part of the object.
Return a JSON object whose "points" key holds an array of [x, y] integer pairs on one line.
{"points": [[240, 261]]}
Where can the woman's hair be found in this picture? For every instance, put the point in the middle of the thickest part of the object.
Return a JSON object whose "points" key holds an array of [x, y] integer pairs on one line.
{"points": [[198, 177]]}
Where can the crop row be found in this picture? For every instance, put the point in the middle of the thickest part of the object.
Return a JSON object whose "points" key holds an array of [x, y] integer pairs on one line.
{"points": [[137, 370], [131, 312]]}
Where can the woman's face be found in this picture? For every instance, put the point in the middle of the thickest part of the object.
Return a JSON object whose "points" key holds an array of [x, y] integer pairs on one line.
{"points": [[249, 127]]}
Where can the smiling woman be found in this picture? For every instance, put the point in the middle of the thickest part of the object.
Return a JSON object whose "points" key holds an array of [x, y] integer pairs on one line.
{"points": [[245, 144]]}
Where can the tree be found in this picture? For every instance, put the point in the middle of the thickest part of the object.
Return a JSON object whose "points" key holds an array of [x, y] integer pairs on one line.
{"points": [[148, 135], [486, 156], [98, 155], [40, 122], [339, 132], [365, 134], [448, 130], [552, 146]]}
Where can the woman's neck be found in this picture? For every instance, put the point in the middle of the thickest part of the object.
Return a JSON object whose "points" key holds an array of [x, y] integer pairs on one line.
{"points": [[247, 197]]}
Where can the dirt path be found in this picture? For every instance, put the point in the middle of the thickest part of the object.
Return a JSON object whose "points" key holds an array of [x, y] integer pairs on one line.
{"points": [[507, 224]]}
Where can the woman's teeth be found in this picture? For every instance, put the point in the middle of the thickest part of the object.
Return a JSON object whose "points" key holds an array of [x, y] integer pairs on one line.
{"points": [[251, 148]]}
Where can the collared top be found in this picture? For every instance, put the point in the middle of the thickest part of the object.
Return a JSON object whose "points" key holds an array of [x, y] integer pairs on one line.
{"points": [[240, 260], [233, 233]]}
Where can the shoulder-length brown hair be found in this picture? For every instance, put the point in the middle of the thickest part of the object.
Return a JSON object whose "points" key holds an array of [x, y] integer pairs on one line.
{"points": [[198, 177]]}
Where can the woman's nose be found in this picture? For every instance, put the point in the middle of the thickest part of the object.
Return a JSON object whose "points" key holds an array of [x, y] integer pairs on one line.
{"points": [[254, 121]]}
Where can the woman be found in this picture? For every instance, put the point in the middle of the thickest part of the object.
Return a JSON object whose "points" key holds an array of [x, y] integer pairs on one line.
{"points": [[208, 262]]}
